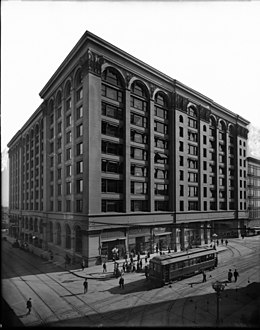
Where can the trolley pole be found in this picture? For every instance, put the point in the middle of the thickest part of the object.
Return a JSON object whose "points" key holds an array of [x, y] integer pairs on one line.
{"points": [[218, 287]]}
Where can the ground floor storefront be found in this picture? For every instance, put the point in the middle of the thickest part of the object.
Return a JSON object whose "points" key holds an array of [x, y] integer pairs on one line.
{"points": [[75, 238]]}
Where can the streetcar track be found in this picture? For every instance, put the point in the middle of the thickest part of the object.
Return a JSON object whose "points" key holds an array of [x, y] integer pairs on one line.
{"points": [[64, 287]]}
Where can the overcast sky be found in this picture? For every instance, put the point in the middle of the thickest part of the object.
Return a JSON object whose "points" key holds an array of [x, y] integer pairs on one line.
{"points": [[213, 48]]}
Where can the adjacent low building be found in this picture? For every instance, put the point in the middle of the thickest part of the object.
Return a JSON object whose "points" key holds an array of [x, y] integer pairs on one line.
{"points": [[121, 155]]}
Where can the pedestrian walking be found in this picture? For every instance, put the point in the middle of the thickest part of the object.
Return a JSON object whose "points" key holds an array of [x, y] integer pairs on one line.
{"points": [[236, 275], [141, 264], [204, 276], [138, 256], [169, 250], [133, 269], [217, 242], [146, 271], [29, 305], [222, 241], [83, 264], [85, 285], [226, 242], [230, 275], [121, 282], [104, 267]]}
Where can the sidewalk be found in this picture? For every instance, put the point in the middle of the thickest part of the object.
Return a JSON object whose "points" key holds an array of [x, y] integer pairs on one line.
{"points": [[96, 272]]}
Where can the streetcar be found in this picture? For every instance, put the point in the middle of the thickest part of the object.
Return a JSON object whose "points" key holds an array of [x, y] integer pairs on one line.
{"points": [[175, 266]]}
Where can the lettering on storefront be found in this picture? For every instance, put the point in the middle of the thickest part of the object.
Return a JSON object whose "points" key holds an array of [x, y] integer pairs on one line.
{"points": [[138, 231]]}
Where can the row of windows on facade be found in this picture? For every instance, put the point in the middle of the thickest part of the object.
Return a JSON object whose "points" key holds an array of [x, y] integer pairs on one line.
{"points": [[142, 205]]}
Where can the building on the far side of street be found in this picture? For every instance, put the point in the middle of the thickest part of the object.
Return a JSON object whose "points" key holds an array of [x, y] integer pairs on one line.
{"points": [[253, 224], [120, 155]]}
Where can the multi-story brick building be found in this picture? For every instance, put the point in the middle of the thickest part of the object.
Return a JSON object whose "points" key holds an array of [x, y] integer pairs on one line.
{"points": [[253, 195], [120, 154]]}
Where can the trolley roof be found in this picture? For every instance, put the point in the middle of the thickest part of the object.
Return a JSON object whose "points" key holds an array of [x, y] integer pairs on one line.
{"points": [[181, 256]]}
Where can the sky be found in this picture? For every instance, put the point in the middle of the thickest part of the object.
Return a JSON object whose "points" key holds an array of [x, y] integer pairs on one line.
{"points": [[212, 47]]}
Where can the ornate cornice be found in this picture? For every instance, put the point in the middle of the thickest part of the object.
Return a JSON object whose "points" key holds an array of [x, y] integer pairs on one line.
{"points": [[204, 113], [91, 62], [242, 131]]}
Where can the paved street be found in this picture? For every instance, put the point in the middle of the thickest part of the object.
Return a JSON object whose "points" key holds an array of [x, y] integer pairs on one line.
{"points": [[58, 298]]}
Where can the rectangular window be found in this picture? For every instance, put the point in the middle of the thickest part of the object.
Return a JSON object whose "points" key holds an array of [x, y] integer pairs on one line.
{"points": [[109, 166], [59, 189], [112, 93], [192, 136], [193, 206], [79, 205], [111, 148], [112, 186], [59, 127], [181, 175], [138, 120], [140, 171], [68, 120], [79, 130], [68, 137], [181, 190], [193, 191], [138, 104], [79, 112], [112, 205], [112, 111], [79, 149], [192, 177], [79, 167], [160, 143], [192, 163], [68, 154], [161, 206], [160, 127], [68, 203], [79, 94], [204, 139], [159, 112], [59, 173], [192, 150], [68, 188], [111, 130], [138, 188], [68, 170], [192, 123], [161, 189], [59, 205], [139, 205], [181, 148], [181, 131], [68, 104], [137, 153], [79, 186], [181, 205], [138, 137]]}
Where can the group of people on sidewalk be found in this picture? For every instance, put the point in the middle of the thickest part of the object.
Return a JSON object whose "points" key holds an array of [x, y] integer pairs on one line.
{"points": [[230, 275]]}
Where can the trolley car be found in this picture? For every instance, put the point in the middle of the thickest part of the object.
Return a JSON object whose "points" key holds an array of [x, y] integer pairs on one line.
{"points": [[175, 266]]}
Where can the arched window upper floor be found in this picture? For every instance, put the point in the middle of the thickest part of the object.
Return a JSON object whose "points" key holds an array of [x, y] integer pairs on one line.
{"points": [[161, 105], [192, 111], [139, 96], [112, 77], [112, 85]]}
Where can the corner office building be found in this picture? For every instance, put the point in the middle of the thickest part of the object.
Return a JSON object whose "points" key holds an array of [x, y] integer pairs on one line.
{"points": [[120, 154]]}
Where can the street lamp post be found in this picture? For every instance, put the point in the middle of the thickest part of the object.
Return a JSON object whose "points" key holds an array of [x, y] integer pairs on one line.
{"points": [[218, 287]]}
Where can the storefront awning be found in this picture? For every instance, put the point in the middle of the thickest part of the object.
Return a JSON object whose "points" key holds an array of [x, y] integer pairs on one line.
{"points": [[111, 239], [161, 234]]}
